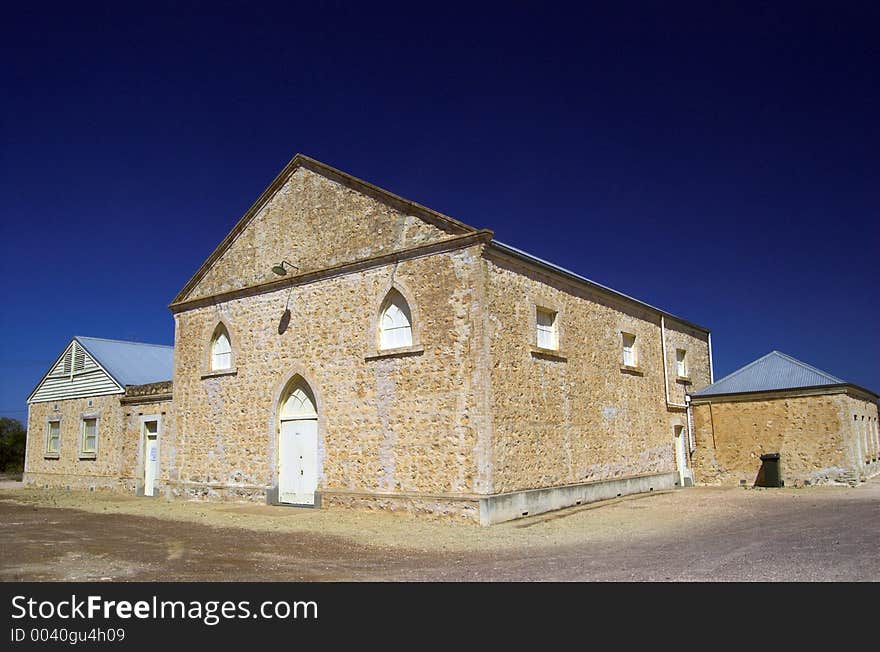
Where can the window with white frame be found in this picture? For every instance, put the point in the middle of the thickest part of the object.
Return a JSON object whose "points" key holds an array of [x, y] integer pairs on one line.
{"points": [[681, 369], [89, 445], [53, 438], [221, 351], [395, 322], [630, 357], [548, 334]]}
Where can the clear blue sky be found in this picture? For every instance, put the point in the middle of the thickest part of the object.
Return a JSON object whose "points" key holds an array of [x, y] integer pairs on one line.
{"points": [[719, 160]]}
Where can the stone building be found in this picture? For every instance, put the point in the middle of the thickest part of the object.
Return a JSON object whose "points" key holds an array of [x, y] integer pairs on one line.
{"points": [[344, 346], [823, 428], [86, 418]]}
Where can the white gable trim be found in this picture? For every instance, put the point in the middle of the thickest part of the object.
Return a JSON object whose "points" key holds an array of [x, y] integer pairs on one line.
{"points": [[92, 380]]}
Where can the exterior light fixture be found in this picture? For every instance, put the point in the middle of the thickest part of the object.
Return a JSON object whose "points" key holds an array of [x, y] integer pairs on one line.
{"points": [[280, 270]]}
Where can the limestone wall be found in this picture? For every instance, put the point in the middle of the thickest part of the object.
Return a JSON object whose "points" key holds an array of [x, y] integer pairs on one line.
{"points": [[578, 416], [70, 468], [695, 344], [859, 427], [314, 223], [814, 435], [413, 423]]}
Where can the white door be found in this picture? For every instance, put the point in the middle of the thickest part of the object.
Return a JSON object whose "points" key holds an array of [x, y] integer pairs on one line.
{"points": [[151, 457], [298, 458], [680, 454]]}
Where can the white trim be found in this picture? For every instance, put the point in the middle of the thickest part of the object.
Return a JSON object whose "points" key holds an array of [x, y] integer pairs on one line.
{"points": [[27, 441], [48, 437], [220, 342], [46, 375], [681, 366], [665, 370], [384, 339], [83, 453], [551, 331], [141, 467], [120, 389], [634, 362]]}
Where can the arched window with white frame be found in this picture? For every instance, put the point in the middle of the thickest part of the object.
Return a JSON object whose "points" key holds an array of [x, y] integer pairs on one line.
{"points": [[221, 350], [395, 322]]}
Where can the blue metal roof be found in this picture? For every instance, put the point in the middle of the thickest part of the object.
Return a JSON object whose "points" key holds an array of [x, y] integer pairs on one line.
{"points": [[772, 371], [131, 363]]}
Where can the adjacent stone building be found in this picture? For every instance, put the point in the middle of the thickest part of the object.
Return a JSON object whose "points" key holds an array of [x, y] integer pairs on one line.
{"points": [[87, 427], [344, 346], [823, 428]]}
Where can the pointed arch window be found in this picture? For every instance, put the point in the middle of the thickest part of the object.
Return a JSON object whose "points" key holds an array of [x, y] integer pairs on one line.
{"points": [[395, 322], [221, 350], [300, 404]]}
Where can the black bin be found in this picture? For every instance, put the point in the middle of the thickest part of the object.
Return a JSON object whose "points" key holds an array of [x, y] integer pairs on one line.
{"points": [[770, 474]]}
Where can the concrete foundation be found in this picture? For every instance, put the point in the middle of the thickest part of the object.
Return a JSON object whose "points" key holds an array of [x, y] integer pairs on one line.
{"points": [[506, 507]]}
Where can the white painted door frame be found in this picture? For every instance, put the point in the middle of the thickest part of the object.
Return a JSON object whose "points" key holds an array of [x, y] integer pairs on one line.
{"points": [[150, 454], [298, 461]]}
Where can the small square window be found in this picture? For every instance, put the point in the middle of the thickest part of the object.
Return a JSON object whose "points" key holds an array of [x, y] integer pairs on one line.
{"points": [[89, 437], [548, 337], [53, 438], [630, 356], [681, 363]]}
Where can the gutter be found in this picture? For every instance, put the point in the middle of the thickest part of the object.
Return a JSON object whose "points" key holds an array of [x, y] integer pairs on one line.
{"points": [[711, 368], [665, 370], [784, 392]]}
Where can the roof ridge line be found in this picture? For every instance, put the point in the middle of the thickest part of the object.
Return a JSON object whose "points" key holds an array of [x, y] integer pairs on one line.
{"points": [[740, 370], [810, 367], [107, 339], [300, 160]]}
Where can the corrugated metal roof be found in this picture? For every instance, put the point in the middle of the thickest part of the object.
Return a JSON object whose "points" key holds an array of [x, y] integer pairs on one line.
{"points": [[567, 272], [131, 363], [772, 371]]}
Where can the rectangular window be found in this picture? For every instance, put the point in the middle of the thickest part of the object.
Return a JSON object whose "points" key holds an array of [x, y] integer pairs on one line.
{"points": [[547, 334], [681, 363], [630, 359], [53, 438], [89, 437]]}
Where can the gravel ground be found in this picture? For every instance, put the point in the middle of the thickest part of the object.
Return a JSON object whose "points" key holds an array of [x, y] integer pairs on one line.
{"points": [[699, 534]]}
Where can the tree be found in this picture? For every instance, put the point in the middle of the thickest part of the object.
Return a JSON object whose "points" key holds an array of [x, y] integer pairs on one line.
{"points": [[12, 440]]}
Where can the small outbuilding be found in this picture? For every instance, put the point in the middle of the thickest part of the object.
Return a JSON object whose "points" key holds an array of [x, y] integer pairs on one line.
{"points": [[823, 428], [95, 418]]}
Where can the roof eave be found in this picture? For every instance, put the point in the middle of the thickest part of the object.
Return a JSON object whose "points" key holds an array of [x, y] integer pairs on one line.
{"points": [[30, 397], [836, 387], [568, 274]]}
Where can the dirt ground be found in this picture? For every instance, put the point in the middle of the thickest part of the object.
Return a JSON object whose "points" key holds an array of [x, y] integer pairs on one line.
{"points": [[698, 534]]}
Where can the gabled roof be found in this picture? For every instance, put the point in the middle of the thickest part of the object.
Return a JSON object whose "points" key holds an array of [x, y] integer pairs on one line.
{"points": [[91, 366], [774, 371], [439, 219], [301, 161], [131, 363]]}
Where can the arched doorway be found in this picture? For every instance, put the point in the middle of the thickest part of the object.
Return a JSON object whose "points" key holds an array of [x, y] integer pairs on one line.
{"points": [[298, 445]]}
